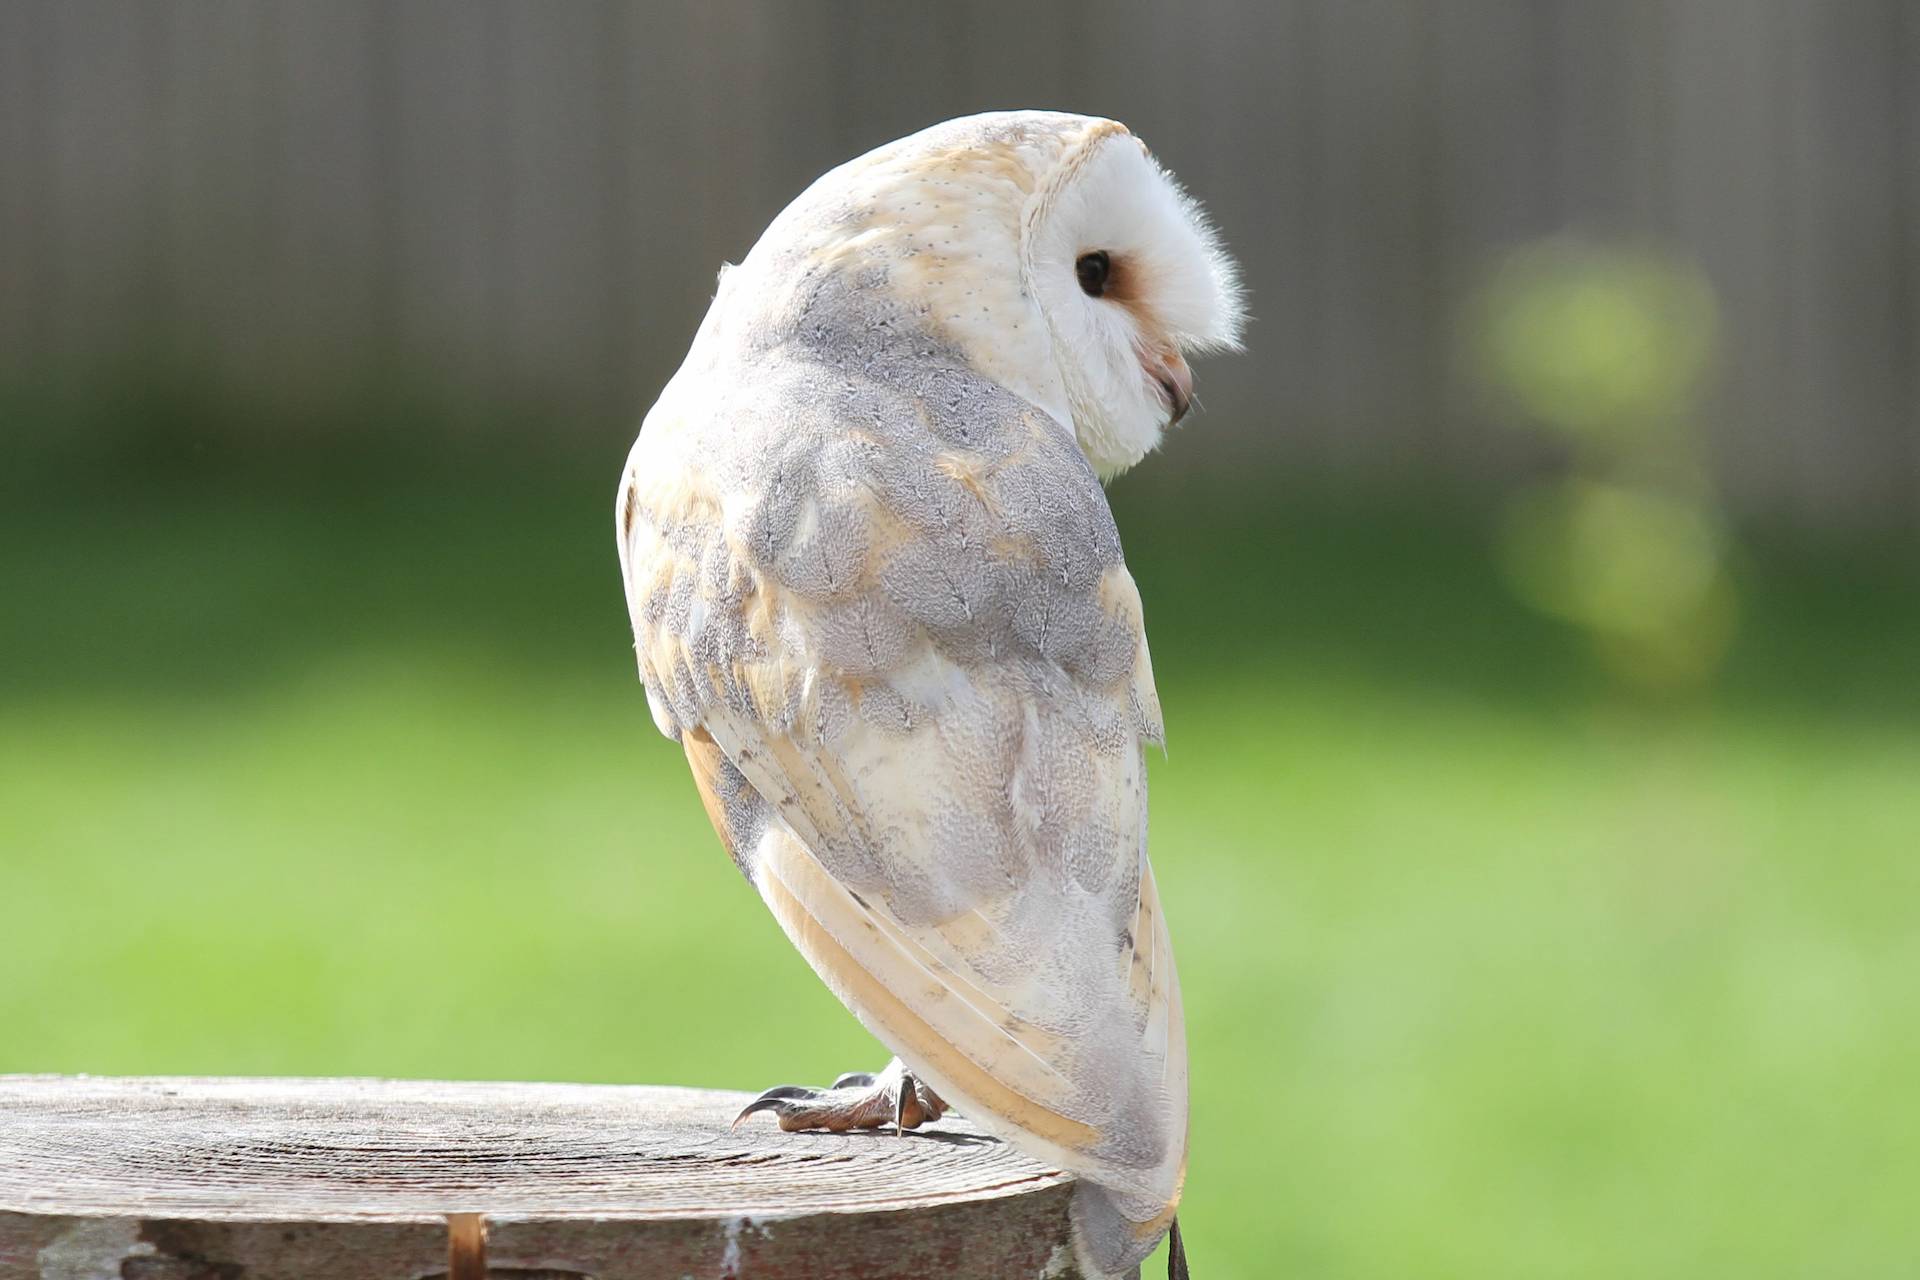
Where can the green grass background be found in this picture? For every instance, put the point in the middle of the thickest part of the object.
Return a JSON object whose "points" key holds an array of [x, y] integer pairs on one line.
{"points": [[1491, 970]]}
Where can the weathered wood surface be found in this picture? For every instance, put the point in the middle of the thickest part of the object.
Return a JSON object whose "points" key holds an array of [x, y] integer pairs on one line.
{"points": [[209, 1179]]}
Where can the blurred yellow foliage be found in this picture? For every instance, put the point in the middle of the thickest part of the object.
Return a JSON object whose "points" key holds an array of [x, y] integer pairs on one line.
{"points": [[1599, 343], [1643, 572], [1607, 348]]}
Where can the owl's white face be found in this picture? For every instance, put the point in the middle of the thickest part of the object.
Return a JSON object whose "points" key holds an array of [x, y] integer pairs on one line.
{"points": [[1049, 250], [1129, 277]]}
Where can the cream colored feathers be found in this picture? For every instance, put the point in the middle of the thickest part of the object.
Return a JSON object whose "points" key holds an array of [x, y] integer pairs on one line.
{"points": [[878, 595]]}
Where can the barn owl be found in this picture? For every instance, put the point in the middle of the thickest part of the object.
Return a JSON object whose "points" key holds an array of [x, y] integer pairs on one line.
{"points": [[878, 598]]}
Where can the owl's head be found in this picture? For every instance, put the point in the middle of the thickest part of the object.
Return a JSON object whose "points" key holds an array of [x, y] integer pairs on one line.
{"points": [[1129, 278], [1049, 250]]}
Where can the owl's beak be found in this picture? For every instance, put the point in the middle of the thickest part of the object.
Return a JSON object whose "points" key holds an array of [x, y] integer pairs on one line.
{"points": [[1170, 370]]}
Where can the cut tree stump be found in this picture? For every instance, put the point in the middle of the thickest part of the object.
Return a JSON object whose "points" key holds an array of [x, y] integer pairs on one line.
{"points": [[214, 1179]]}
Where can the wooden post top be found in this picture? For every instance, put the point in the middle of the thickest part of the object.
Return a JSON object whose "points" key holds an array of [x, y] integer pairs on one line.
{"points": [[237, 1179]]}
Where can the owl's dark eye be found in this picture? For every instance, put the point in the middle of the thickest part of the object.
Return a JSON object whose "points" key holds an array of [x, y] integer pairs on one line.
{"points": [[1092, 269]]}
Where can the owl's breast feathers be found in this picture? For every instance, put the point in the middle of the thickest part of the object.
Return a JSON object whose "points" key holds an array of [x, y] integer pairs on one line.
{"points": [[884, 608]]}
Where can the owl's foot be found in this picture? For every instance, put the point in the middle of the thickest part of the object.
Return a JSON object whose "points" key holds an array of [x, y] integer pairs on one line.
{"points": [[859, 1100]]}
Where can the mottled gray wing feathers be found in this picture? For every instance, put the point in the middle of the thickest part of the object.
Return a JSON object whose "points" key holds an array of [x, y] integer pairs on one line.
{"points": [[913, 639]]}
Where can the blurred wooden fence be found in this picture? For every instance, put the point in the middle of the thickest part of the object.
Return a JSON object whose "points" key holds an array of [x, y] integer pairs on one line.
{"points": [[525, 202]]}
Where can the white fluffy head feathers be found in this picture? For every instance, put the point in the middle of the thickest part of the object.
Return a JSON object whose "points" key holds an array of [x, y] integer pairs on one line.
{"points": [[1050, 250]]}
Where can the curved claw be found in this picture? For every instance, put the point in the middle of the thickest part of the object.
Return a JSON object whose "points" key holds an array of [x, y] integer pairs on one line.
{"points": [[772, 1099], [855, 1080]]}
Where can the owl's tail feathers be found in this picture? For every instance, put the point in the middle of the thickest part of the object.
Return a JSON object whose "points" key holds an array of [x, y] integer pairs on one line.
{"points": [[1113, 1233]]}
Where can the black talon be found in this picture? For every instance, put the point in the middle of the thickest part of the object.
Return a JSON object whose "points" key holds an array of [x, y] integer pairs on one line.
{"points": [[900, 1097], [774, 1098], [855, 1080]]}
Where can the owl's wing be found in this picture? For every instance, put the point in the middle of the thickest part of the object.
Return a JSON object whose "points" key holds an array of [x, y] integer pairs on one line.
{"points": [[911, 676]]}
